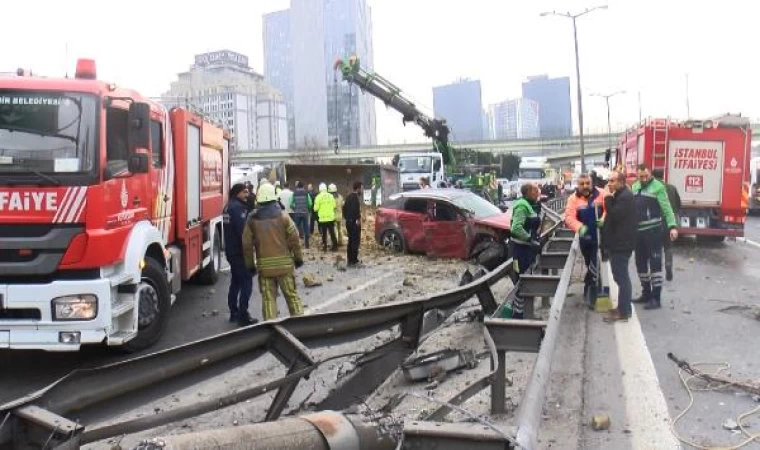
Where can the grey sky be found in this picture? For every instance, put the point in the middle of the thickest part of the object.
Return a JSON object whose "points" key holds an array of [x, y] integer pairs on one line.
{"points": [[635, 45]]}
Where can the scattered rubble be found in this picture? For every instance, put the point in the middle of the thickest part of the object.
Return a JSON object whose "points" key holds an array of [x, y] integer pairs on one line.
{"points": [[310, 280]]}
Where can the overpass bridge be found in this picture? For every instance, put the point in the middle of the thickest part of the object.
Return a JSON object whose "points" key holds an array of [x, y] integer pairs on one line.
{"points": [[560, 150]]}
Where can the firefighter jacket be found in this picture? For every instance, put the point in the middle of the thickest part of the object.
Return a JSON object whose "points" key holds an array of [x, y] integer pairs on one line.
{"points": [[270, 242], [581, 211], [234, 222], [525, 222], [653, 205], [324, 206], [338, 207]]}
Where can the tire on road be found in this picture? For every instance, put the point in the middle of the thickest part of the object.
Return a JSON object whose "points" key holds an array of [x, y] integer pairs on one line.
{"points": [[210, 274], [154, 302]]}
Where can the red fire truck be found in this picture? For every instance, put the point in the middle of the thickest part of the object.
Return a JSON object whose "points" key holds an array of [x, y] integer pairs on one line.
{"points": [[108, 201], [708, 161]]}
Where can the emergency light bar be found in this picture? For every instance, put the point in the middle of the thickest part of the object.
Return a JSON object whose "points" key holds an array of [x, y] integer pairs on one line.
{"points": [[86, 69]]}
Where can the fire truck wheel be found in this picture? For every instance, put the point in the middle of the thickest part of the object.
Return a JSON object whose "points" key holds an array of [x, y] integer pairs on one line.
{"points": [[153, 304], [210, 274]]}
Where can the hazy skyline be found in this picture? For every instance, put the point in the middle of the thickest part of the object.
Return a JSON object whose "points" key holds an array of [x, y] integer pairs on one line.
{"points": [[644, 45]]}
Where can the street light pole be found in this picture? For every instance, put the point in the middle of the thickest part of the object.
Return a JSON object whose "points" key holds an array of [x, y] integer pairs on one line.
{"points": [[580, 96], [609, 122], [573, 17]]}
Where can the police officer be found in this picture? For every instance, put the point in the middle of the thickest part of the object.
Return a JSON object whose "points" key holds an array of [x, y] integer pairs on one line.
{"points": [[241, 284], [524, 237]]}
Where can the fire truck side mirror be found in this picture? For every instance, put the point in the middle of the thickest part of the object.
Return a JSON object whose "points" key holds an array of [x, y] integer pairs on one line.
{"points": [[139, 126], [138, 163]]}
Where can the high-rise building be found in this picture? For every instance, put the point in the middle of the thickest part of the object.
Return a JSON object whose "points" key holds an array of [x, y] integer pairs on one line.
{"points": [[278, 60], [460, 104], [514, 119], [553, 97], [222, 86], [324, 107]]}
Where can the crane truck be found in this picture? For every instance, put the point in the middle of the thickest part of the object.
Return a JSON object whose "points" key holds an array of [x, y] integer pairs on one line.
{"points": [[412, 166], [108, 201]]}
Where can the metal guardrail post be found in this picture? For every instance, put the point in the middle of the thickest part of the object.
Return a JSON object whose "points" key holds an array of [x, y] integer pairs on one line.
{"points": [[531, 406]]}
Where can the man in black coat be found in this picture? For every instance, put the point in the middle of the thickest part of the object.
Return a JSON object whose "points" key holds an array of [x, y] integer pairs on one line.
{"points": [[352, 214], [619, 231]]}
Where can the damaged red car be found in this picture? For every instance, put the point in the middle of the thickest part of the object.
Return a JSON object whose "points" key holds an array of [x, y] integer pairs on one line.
{"points": [[444, 223]]}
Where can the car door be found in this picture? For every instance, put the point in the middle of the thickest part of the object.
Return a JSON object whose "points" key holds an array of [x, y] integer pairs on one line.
{"points": [[445, 231], [411, 220]]}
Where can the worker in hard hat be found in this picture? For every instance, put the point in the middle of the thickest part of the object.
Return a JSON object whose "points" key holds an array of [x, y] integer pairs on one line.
{"points": [[272, 247], [324, 206], [332, 189]]}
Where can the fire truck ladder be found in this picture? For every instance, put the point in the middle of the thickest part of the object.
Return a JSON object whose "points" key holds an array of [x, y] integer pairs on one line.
{"points": [[660, 129]]}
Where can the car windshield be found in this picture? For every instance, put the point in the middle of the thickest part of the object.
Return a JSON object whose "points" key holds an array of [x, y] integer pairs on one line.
{"points": [[531, 174], [49, 132], [478, 206], [417, 164]]}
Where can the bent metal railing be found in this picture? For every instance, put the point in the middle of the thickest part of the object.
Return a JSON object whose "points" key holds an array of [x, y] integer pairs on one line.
{"points": [[44, 419]]}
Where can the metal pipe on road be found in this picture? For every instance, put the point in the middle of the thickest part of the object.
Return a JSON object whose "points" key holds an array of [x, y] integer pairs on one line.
{"points": [[326, 430]]}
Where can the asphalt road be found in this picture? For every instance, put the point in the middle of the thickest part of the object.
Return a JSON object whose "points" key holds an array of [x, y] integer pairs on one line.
{"points": [[201, 311], [752, 228], [708, 315]]}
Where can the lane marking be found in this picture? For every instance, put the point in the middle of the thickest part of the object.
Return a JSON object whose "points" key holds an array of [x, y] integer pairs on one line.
{"points": [[749, 241], [646, 408], [343, 296]]}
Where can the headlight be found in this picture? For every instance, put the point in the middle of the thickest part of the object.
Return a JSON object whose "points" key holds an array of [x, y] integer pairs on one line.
{"points": [[75, 307]]}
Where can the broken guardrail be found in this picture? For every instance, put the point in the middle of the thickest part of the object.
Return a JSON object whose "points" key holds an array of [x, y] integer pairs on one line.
{"points": [[45, 419]]}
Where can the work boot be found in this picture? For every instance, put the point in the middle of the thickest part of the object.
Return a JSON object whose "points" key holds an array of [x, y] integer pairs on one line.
{"points": [[646, 297], [615, 316], [669, 273], [245, 320], [516, 315], [653, 304], [233, 317]]}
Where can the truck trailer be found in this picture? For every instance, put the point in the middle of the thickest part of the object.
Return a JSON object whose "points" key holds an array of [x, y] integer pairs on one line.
{"points": [[108, 202], [708, 161]]}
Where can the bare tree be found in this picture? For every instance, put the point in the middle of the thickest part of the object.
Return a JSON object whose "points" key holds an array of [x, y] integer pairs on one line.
{"points": [[309, 150]]}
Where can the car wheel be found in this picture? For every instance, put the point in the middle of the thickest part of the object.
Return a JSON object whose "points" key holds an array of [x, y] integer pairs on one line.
{"points": [[391, 240]]}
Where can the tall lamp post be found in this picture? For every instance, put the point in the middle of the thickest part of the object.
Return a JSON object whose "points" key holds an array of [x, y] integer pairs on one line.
{"points": [[573, 17], [607, 97]]}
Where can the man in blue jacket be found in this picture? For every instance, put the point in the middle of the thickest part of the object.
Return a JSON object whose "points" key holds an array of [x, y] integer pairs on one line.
{"points": [[241, 284]]}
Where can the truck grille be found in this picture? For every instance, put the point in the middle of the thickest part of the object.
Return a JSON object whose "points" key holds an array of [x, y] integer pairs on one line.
{"points": [[33, 249], [20, 314]]}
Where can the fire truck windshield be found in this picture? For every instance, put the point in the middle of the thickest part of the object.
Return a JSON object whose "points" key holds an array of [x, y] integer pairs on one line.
{"points": [[47, 132]]}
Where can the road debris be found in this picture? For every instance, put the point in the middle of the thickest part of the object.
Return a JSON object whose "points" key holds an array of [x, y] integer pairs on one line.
{"points": [[731, 425], [433, 365], [600, 422], [311, 280]]}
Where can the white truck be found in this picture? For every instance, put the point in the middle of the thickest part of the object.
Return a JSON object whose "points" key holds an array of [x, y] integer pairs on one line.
{"points": [[537, 170], [413, 166]]}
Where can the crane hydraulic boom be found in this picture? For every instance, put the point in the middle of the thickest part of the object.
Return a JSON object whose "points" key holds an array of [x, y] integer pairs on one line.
{"points": [[436, 129]]}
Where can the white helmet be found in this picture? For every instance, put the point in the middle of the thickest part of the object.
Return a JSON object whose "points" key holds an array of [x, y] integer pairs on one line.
{"points": [[332, 188], [266, 193], [322, 187]]}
